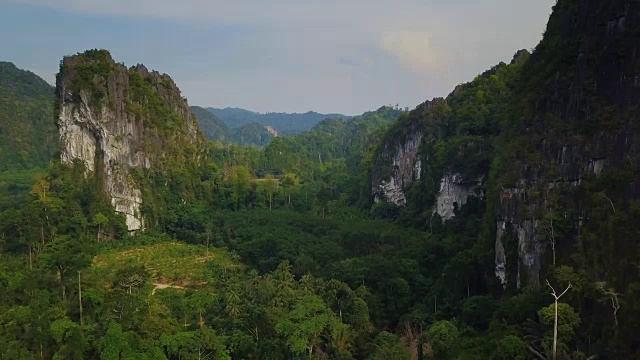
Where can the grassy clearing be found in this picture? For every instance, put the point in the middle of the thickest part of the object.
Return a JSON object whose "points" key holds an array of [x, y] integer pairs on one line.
{"points": [[173, 263]]}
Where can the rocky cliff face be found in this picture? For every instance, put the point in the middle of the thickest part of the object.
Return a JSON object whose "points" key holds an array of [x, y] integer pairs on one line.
{"points": [[571, 149], [444, 147], [454, 192], [406, 167], [551, 141], [114, 119]]}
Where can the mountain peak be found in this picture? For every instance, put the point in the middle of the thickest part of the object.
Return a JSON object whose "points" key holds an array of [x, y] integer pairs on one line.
{"points": [[135, 118]]}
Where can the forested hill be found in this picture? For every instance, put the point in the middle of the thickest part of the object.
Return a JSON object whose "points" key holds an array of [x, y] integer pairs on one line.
{"points": [[498, 222], [541, 158], [28, 135], [285, 123], [214, 129]]}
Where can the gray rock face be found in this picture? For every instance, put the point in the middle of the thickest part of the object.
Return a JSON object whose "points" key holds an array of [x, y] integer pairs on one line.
{"points": [[406, 167], [105, 145], [530, 250], [582, 124], [454, 192], [528, 231], [109, 139], [572, 166]]}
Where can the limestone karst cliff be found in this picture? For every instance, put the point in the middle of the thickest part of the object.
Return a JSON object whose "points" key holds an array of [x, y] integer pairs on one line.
{"points": [[551, 144], [437, 156], [568, 165], [116, 119]]}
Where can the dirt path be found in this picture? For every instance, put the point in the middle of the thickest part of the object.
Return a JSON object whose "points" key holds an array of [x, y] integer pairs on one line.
{"points": [[164, 286]]}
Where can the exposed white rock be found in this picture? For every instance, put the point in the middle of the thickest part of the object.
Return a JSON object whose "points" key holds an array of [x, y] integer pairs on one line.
{"points": [[501, 258], [392, 193], [87, 136], [595, 166], [454, 191], [406, 168], [530, 251], [272, 130], [531, 242]]}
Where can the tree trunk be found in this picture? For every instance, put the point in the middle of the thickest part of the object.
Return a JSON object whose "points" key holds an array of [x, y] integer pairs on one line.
{"points": [[555, 331], [208, 239], [553, 244], [80, 297], [64, 289], [556, 297]]}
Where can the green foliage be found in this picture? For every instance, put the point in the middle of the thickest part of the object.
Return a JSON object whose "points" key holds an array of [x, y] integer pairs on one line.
{"points": [[458, 135], [91, 70], [477, 311], [214, 129], [443, 337], [273, 253], [568, 320], [387, 346], [145, 103], [306, 323], [511, 348], [28, 137], [16, 185]]}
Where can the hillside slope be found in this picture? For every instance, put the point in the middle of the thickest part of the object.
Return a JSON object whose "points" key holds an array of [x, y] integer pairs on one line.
{"points": [[214, 129], [28, 135]]}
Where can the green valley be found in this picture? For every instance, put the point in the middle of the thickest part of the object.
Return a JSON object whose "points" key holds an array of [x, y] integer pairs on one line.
{"points": [[497, 222]]}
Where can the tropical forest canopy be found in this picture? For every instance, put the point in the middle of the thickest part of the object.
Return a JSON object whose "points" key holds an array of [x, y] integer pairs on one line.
{"points": [[278, 251]]}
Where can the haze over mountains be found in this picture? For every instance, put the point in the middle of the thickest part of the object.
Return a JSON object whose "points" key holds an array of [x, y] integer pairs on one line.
{"points": [[284, 123]]}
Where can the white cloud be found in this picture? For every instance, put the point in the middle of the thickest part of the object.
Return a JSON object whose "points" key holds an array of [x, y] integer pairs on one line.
{"points": [[414, 49]]}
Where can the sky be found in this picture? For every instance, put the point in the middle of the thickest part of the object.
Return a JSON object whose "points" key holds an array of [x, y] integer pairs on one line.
{"points": [[330, 56]]}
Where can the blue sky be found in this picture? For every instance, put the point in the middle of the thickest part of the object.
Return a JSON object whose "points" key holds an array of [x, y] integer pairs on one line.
{"points": [[346, 56]]}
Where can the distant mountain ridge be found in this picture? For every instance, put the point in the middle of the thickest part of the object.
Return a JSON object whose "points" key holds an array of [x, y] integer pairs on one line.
{"points": [[214, 129], [284, 123]]}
